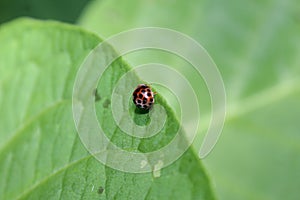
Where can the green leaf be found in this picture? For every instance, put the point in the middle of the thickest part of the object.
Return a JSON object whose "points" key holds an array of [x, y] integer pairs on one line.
{"points": [[256, 46], [41, 155]]}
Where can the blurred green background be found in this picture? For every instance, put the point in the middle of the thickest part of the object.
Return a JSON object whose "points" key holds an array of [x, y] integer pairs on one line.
{"points": [[255, 44], [67, 11]]}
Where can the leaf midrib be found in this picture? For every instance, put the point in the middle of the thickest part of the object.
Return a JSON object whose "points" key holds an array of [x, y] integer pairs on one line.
{"points": [[47, 178], [30, 121]]}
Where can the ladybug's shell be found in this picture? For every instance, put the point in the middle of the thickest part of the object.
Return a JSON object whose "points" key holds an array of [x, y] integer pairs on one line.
{"points": [[143, 97]]}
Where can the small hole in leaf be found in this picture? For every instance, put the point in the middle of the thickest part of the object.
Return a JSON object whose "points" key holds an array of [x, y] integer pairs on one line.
{"points": [[97, 96], [100, 190], [106, 103]]}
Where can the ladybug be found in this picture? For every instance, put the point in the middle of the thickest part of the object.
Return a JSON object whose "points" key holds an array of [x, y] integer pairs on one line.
{"points": [[143, 97]]}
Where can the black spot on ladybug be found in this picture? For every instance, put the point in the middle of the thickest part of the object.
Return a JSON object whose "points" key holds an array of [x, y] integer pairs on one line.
{"points": [[143, 96]]}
